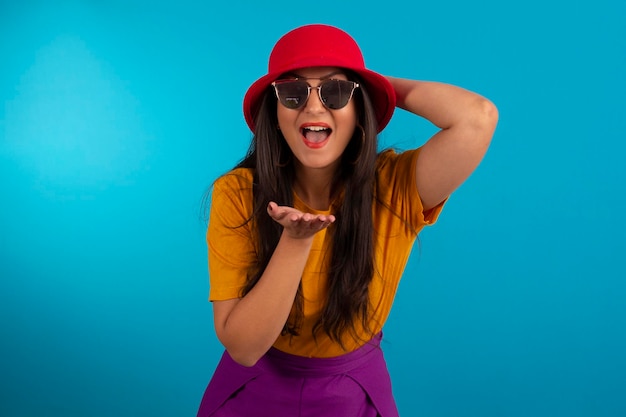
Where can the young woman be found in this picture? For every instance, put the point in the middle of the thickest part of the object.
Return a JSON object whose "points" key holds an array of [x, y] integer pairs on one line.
{"points": [[309, 235]]}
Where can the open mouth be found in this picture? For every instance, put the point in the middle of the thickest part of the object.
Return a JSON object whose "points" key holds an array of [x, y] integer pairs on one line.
{"points": [[315, 136]]}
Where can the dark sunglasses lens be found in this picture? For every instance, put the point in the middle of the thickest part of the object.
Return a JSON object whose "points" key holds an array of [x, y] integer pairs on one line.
{"points": [[292, 94], [336, 93]]}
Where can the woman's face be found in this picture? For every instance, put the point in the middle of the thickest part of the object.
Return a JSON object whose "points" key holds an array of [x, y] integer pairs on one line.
{"points": [[316, 135]]}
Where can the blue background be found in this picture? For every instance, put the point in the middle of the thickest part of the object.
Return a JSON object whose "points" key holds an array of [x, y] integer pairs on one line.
{"points": [[116, 116]]}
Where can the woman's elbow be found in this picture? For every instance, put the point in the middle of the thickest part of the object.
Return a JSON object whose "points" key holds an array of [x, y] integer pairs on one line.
{"points": [[240, 352], [481, 124], [486, 115], [244, 358]]}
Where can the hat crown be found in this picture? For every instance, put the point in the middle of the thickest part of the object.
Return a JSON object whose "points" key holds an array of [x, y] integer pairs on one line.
{"points": [[315, 45]]}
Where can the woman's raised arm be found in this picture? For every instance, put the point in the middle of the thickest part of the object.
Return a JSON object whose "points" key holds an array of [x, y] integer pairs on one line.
{"points": [[467, 122]]}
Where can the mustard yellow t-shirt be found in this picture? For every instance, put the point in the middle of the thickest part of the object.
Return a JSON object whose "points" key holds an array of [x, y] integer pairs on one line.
{"points": [[232, 249]]}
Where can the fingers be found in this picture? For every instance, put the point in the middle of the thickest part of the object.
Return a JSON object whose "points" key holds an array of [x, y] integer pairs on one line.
{"points": [[279, 213], [297, 223], [311, 221]]}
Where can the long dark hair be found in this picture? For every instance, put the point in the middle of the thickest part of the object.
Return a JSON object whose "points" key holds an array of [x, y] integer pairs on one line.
{"points": [[351, 263]]}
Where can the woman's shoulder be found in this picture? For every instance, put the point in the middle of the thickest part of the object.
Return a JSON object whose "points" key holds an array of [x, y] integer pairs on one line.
{"points": [[235, 186], [236, 178], [391, 159], [232, 193]]}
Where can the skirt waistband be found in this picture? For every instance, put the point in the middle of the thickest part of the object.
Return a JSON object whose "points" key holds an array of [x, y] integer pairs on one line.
{"points": [[288, 364]]}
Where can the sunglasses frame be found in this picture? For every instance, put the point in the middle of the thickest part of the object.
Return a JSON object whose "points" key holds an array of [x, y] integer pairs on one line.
{"points": [[355, 85]]}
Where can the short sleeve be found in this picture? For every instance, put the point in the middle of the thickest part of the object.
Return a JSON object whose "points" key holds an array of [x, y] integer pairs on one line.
{"points": [[396, 187], [230, 243]]}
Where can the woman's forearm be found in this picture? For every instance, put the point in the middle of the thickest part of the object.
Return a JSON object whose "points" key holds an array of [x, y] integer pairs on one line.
{"points": [[444, 105], [255, 321]]}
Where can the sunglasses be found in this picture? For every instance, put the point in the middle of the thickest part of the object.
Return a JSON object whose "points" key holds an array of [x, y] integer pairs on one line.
{"points": [[334, 94]]}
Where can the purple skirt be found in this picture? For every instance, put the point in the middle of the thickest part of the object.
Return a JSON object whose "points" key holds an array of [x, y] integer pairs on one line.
{"points": [[356, 384]]}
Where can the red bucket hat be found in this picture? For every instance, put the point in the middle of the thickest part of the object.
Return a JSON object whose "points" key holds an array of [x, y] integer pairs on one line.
{"points": [[315, 46]]}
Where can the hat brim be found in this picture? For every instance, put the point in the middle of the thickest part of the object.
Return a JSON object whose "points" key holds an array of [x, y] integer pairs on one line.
{"points": [[380, 90]]}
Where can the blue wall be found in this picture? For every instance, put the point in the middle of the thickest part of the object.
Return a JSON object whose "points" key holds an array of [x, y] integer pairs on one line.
{"points": [[117, 115]]}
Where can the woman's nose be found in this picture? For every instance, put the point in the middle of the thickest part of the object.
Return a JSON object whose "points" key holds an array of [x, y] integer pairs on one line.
{"points": [[314, 103]]}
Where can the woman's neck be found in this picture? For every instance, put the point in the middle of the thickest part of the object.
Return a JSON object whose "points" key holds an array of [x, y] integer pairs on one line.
{"points": [[315, 187]]}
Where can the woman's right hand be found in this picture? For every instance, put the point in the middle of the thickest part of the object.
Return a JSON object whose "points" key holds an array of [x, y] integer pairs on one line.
{"points": [[296, 224]]}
